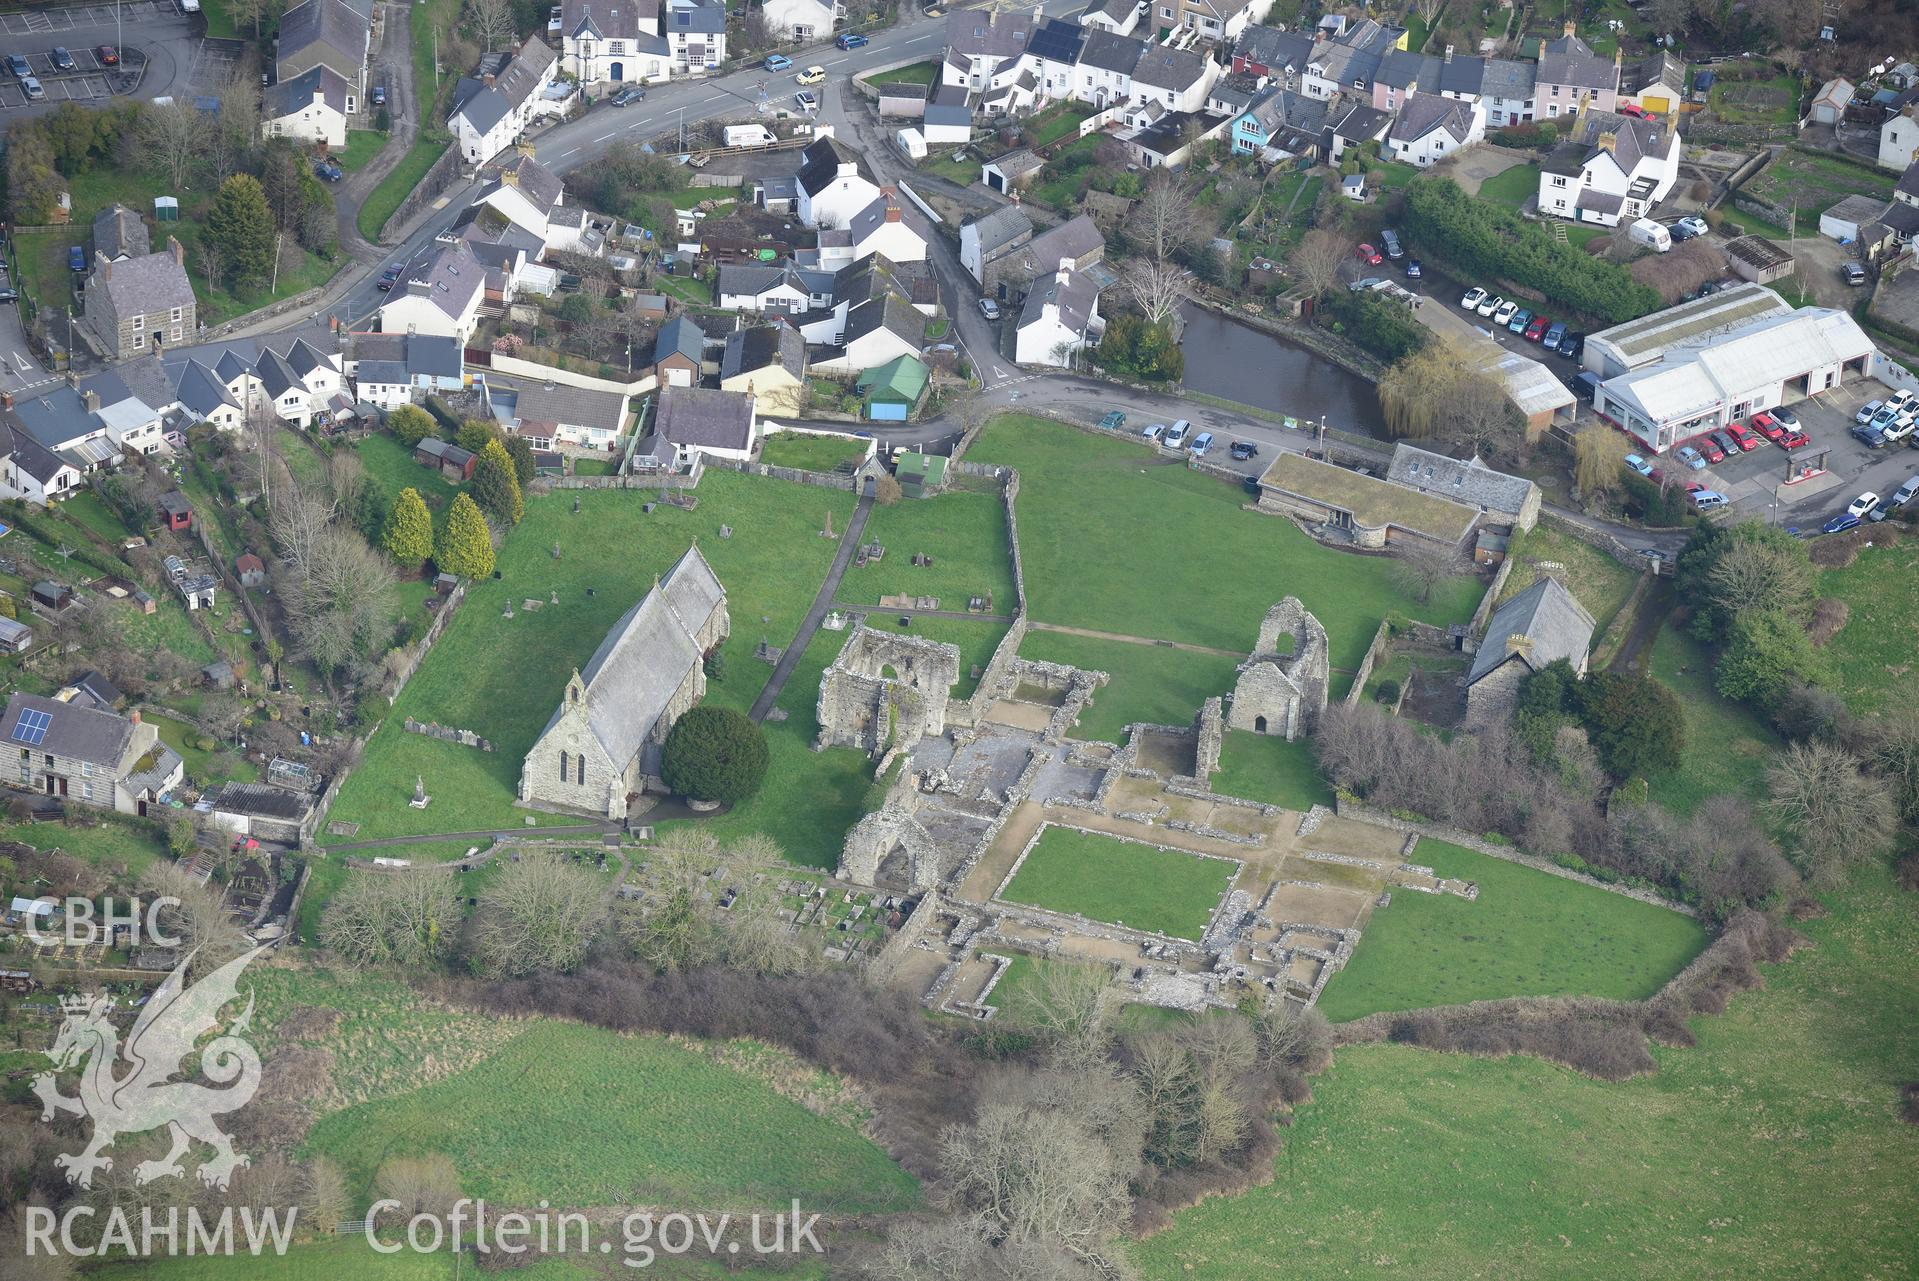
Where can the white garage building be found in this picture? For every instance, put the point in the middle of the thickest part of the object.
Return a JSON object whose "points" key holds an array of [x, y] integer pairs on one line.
{"points": [[1689, 369]]}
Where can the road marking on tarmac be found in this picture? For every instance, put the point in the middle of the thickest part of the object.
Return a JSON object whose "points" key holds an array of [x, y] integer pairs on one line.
{"points": [[603, 137]]}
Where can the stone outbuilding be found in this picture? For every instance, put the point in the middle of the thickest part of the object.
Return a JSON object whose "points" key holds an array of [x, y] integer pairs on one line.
{"points": [[885, 690], [1542, 624], [1281, 688], [1363, 510], [602, 745]]}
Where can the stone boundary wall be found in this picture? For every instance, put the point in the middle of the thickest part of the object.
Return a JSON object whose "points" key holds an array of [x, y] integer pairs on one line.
{"points": [[547, 484], [908, 933], [1605, 542], [1483, 615], [967, 713], [1374, 652], [1365, 813], [1235, 802], [425, 645], [438, 178], [818, 479], [1022, 788]]}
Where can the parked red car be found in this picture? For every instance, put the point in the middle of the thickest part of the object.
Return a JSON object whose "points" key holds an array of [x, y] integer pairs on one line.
{"points": [[1369, 255], [1632, 109], [1764, 424], [1538, 328], [1794, 440], [108, 55], [1742, 434], [1707, 446]]}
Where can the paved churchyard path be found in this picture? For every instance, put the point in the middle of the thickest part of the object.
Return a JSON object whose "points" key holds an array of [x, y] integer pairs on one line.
{"points": [[822, 602]]}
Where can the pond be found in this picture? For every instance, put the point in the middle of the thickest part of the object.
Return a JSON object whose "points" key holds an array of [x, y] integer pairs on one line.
{"points": [[1227, 358]]}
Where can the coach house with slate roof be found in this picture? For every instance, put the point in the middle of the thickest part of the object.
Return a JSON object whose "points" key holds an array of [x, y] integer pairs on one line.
{"points": [[602, 747], [1539, 626]]}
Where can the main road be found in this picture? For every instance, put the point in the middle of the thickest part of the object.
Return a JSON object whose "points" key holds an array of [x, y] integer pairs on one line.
{"points": [[580, 142]]}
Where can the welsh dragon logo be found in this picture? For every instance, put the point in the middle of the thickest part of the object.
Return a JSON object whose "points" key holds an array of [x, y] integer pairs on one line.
{"points": [[143, 1098]]}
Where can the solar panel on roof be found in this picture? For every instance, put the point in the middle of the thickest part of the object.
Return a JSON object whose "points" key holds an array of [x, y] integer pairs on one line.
{"points": [[32, 729]]}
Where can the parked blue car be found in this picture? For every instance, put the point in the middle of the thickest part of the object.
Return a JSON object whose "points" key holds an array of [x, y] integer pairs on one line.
{"points": [[1691, 457], [1639, 464], [1840, 524], [76, 258], [1520, 320], [851, 40]]}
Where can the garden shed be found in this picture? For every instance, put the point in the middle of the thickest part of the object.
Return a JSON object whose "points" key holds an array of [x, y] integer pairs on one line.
{"points": [[892, 390]]}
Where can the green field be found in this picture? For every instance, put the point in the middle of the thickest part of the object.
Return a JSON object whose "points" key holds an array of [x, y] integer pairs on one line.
{"points": [[581, 1116], [110, 845], [1599, 581], [384, 199], [1107, 530], [43, 254], [811, 453], [965, 535], [502, 677], [390, 465], [1123, 882], [1771, 1149], [1872, 654], [1265, 767], [1725, 734], [1529, 933], [1149, 683]]}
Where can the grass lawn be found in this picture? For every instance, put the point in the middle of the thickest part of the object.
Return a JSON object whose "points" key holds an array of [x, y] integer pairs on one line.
{"points": [[582, 1116], [502, 677], [592, 467], [1513, 188], [361, 146], [1528, 934], [43, 254], [390, 465], [964, 533], [1062, 120], [1600, 582], [1727, 747], [695, 293], [1149, 683], [1755, 102], [1107, 528], [1265, 767], [1771, 1149], [384, 199], [918, 73], [87, 510], [811, 453], [1817, 182], [1124, 882], [1392, 175], [1752, 223], [110, 845], [180, 736], [1872, 653], [1065, 175]]}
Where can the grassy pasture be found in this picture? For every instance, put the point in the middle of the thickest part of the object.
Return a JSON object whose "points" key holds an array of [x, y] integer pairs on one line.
{"points": [[1124, 882]]}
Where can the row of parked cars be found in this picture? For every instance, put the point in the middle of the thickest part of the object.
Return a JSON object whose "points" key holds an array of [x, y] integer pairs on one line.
{"points": [[1870, 506], [1181, 436], [1505, 313], [1887, 422], [1779, 426], [1390, 249], [61, 60]]}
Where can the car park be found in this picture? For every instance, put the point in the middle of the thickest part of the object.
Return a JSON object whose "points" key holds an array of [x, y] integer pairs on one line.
{"points": [[1867, 410], [1536, 328], [1862, 504], [1390, 240], [1473, 298], [1639, 465], [1202, 444], [1176, 434], [851, 40], [1707, 499], [1690, 456], [811, 76], [1520, 319], [1871, 435], [1113, 420], [777, 62], [628, 96], [1413, 270], [108, 55], [1889, 413], [1727, 444], [806, 101], [1840, 524], [17, 67], [1904, 398], [1710, 449], [62, 60], [1743, 437], [1368, 255], [1490, 305], [1901, 429], [1152, 434], [1244, 449], [989, 309]]}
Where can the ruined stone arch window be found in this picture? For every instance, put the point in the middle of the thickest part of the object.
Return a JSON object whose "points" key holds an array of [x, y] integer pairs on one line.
{"points": [[563, 767]]}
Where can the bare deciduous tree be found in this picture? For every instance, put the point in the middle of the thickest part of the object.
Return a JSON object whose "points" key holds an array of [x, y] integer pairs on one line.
{"points": [[491, 22], [173, 135], [1838, 815], [1159, 287], [392, 918], [541, 914], [197, 916], [1318, 259], [339, 602], [1163, 218], [1072, 1005], [1759, 575], [324, 1200], [1419, 568], [426, 1184]]}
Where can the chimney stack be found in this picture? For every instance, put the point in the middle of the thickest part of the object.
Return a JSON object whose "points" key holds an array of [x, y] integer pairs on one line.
{"points": [[6, 400], [1571, 26], [134, 716], [179, 254], [1449, 53], [90, 398]]}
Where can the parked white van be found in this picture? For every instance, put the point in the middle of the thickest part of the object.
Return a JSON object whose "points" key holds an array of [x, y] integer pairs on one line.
{"points": [[1176, 435]]}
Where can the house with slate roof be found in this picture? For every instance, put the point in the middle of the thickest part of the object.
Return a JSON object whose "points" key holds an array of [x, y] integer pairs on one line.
{"points": [[136, 304], [1609, 169], [1571, 78], [493, 108], [329, 33], [1539, 626], [601, 749], [309, 107], [88, 755], [768, 363]]}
